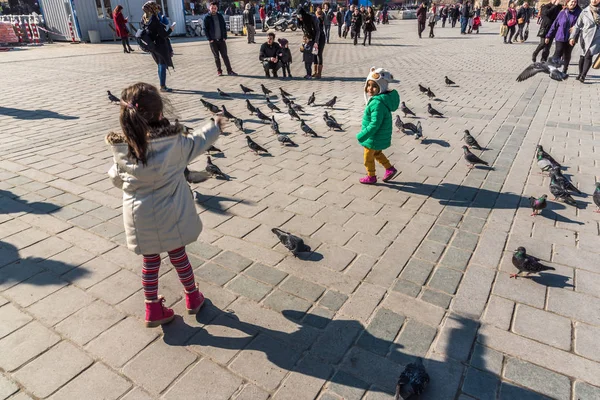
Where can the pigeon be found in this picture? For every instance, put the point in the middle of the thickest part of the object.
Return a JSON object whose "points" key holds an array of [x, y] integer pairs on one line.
{"points": [[284, 139], [291, 242], [284, 93], [544, 164], [274, 125], [307, 130], [186, 129], [311, 99], [112, 98], [296, 107], [471, 158], [419, 131], [526, 263], [331, 102], [326, 115], [549, 68], [541, 153], [262, 116], [563, 180], [265, 90], [285, 100], [423, 89], [213, 170], [412, 381], [272, 106], [596, 197], [213, 149], [448, 81], [293, 114], [250, 107], [470, 140], [226, 113], [433, 112], [406, 110], [245, 89], [399, 124], [239, 123], [210, 107], [333, 125], [404, 126], [195, 176], [560, 193], [223, 94], [254, 146], [537, 205], [430, 94]]}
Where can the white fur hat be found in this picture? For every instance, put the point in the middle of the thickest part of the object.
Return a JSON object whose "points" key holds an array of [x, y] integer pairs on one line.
{"points": [[382, 77]]}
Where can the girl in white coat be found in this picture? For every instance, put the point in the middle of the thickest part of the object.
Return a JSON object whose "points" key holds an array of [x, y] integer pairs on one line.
{"points": [[159, 214]]}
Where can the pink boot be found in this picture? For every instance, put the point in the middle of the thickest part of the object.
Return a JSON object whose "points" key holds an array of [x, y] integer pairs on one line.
{"points": [[194, 301], [157, 314], [368, 180], [390, 174]]}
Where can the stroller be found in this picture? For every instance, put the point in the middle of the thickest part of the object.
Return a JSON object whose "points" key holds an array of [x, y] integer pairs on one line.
{"points": [[476, 23]]}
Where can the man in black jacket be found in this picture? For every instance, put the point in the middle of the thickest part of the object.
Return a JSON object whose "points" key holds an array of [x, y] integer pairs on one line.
{"points": [[216, 33], [549, 12], [464, 17], [270, 55], [339, 17]]}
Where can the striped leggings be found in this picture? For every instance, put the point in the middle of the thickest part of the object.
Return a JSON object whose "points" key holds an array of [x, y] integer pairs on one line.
{"points": [[182, 265]]}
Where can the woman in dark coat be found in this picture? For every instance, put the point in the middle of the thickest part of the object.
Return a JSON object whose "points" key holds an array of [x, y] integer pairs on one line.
{"points": [[421, 18], [311, 27], [369, 24], [160, 37], [510, 21], [548, 12], [356, 24], [121, 28]]}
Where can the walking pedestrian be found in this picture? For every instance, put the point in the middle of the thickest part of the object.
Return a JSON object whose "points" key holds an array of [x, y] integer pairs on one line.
{"points": [[444, 15], [560, 32], [431, 22], [121, 28], [356, 24], [510, 21], [488, 13], [348, 21], [464, 17], [369, 24], [159, 214], [587, 29], [421, 18], [548, 14], [321, 17], [249, 22], [262, 14], [523, 16], [376, 133], [327, 18], [216, 33], [455, 14], [159, 37]]}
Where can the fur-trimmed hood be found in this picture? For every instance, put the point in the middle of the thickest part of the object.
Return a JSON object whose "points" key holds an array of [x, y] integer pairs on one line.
{"points": [[162, 130]]}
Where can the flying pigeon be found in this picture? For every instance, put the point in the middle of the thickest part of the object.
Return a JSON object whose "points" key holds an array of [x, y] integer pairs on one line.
{"points": [[223, 94], [210, 107], [293, 114], [430, 94], [272, 106], [239, 123], [470, 140], [596, 197], [537, 205], [213, 170], [328, 116], [245, 89], [541, 153], [250, 107], [406, 110], [284, 93], [274, 125], [448, 81], [559, 192], [549, 68], [307, 130], [291, 242], [563, 180], [419, 131], [112, 98], [254, 146], [412, 381], [527, 263], [311, 99], [423, 89], [296, 107], [226, 113], [471, 158], [265, 90], [433, 112], [213, 149], [262, 116], [284, 139], [331, 102]]}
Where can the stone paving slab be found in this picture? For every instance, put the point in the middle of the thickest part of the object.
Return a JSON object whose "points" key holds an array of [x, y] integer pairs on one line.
{"points": [[417, 267]]}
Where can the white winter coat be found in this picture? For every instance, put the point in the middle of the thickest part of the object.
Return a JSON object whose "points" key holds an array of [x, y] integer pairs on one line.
{"points": [[589, 31]]}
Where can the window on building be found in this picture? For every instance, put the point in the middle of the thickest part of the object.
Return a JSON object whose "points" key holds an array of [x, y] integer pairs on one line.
{"points": [[104, 9]]}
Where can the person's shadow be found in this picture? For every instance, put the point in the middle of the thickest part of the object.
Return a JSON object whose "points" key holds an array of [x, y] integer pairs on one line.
{"points": [[33, 114]]}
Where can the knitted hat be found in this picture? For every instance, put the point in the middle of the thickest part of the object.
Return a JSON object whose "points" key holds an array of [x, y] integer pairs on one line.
{"points": [[382, 77], [282, 42]]}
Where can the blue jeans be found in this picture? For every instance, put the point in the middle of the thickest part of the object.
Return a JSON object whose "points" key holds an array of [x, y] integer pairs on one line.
{"points": [[463, 24], [162, 74]]}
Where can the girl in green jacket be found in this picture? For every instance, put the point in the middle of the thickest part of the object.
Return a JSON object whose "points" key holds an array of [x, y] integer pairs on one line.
{"points": [[376, 132]]}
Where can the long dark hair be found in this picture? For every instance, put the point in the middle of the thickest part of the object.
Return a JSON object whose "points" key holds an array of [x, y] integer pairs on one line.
{"points": [[307, 24], [117, 9], [141, 107]]}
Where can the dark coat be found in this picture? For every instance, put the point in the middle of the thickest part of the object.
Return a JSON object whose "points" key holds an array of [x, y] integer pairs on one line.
{"points": [[307, 55], [121, 25], [356, 22], [549, 12], [422, 14], [209, 27], [160, 37], [248, 17], [523, 13], [465, 10], [369, 22], [286, 55], [267, 51]]}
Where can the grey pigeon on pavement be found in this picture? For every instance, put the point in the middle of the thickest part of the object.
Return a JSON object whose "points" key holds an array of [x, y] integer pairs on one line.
{"points": [[419, 132], [213, 170], [226, 113], [311, 99], [331, 102], [250, 107], [210, 107], [328, 116], [422, 88], [471, 158], [527, 263], [112, 98], [291, 242], [596, 197], [296, 107], [560, 192], [542, 154], [239, 123], [433, 112], [549, 68], [284, 139], [293, 114], [284, 93], [213, 149], [274, 125], [537, 205], [265, 90], [285, 100], [223, 94], [430, 94], [307, 130], [448, 81], [272, 106], [333, 125], [245, 89], [412, 381], [406, 110], [262, 116], [255, 147], [470, 140], [563, 180]]}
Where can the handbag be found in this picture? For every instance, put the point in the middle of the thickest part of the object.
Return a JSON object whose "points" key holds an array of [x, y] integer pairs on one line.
{"points": [[521, 21], [526, 35], [597, 63], [503, 30]]}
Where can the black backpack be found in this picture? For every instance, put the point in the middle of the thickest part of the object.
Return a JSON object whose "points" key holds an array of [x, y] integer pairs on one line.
{"points": [[144, 40]]}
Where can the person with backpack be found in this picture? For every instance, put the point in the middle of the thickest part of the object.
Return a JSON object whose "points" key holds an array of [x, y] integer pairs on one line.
{"points": [[154, 39]]}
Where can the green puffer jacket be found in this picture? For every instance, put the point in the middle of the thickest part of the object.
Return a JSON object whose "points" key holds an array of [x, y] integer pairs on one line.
{"points": [[376, 132]]}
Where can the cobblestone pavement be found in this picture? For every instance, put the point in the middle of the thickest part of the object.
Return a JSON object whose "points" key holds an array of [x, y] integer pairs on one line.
{"points": [[416, 267]]}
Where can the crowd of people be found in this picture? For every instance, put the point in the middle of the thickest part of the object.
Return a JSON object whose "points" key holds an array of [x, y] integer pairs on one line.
{"points": [[468, 14]]}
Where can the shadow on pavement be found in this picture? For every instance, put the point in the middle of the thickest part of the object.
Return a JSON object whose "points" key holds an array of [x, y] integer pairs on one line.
{"points": [[33, 114], [12, 204]]}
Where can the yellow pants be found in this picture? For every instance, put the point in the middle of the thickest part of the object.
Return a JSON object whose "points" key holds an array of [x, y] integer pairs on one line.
{"points": [[370, 157]]}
